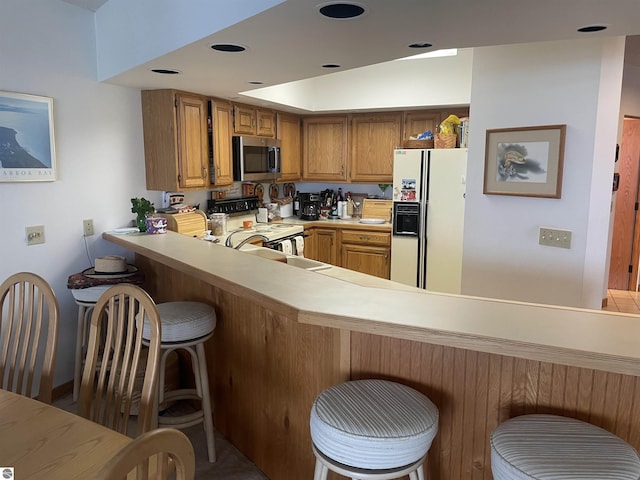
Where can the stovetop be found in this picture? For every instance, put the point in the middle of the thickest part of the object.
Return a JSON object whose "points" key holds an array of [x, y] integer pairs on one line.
{"points": [[232, 205]]}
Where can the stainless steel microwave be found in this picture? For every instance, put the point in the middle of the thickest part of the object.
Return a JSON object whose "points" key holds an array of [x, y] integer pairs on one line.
{"points": [[255, 158]]}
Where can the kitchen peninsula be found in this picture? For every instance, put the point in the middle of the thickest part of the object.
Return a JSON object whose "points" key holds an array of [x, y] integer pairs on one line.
{"points": [[284, 334]]}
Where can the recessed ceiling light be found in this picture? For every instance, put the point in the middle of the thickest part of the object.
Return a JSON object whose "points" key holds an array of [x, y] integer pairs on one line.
{"points": [[330, 65], [165, 71], [341, 10], [592, 28], [228, 47], [420, 45]]}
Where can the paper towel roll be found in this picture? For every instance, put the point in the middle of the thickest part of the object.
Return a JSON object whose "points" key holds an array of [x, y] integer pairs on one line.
{"points": [[287, 247], [299, 246]]}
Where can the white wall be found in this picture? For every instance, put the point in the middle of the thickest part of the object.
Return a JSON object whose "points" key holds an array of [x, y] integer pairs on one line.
{"points": [[132, 33], [430, 82], [48, 49], [576, 83]]}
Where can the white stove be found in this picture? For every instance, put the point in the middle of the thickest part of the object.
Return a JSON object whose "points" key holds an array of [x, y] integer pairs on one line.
{"points": [[241, 209], [275, 232]]}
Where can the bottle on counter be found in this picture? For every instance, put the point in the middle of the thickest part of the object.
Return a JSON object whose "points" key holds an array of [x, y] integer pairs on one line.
{"points": [[296, 203]]}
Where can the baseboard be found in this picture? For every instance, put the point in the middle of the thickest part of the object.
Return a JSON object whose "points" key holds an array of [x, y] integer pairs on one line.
{"points": [[605, 302], [62, 390]]}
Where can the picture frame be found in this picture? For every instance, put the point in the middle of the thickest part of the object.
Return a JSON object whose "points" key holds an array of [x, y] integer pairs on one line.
{"points": [[525, 161], [27, 146]]}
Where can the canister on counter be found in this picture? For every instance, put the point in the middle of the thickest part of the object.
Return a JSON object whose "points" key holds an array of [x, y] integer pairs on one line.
{"points": [[218, 224], [248, 189]]}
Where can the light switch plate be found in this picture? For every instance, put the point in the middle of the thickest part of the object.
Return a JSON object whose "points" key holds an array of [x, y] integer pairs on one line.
{"points": [[35, 234], [553, 237]]}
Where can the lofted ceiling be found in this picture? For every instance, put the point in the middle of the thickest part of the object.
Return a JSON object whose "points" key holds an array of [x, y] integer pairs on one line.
{"points": [[292, 41]]}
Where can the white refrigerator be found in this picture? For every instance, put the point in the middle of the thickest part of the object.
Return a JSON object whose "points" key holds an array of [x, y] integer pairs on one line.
{"points": [[428, 218]]}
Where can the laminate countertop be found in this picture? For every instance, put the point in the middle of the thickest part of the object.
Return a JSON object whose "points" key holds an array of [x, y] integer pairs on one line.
{"points": [[348, 300]]}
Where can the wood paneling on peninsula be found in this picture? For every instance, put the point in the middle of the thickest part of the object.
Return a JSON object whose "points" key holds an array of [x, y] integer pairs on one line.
{"points": [[265, 370], [476, 391], [284, 335]]}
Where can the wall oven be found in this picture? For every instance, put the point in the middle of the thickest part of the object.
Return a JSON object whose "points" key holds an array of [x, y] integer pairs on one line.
{"points": [[255, 158]]}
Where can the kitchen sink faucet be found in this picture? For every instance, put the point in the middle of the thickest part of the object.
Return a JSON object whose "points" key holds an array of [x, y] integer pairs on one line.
{"points": [[228, 242]]}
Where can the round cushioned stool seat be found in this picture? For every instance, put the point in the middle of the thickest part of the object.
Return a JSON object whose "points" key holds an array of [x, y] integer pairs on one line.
{"points": [[373, 424], [184, 321], [551, 447]]}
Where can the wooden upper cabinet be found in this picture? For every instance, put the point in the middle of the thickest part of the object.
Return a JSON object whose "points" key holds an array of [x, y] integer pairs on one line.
{"points": [[373, 138], [289, 133], [222, 161], [325, 148], [176, 140], [248, 120], [265, 123], [418, 122]]}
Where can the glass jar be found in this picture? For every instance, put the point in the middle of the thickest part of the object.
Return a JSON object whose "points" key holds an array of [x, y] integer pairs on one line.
{"points": [[218, 224]]}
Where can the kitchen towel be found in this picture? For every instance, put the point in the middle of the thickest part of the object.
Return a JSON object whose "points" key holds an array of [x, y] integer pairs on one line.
{"points": [[299, 246], [287, 247]]}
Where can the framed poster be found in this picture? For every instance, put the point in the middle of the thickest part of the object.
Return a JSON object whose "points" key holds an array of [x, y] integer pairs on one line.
{"points": [[27, 147], [524, 161]]}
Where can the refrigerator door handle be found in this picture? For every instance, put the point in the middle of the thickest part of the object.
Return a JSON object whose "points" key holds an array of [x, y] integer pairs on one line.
{"points": [[422, 234]]}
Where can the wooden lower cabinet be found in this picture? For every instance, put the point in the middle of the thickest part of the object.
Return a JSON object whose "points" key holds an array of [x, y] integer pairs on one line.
{"points": [[365, 259], [364, 251], [326, 249]]}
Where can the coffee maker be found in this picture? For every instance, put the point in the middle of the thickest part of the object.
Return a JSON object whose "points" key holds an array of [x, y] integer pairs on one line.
{"points": [[309, 206]]}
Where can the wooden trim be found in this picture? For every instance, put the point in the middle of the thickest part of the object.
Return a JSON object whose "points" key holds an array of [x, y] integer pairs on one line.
{"points": [[62, 390]]}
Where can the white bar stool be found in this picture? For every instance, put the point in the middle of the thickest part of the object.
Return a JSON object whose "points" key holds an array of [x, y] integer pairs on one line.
{"points": [[372, 429], [552, 447], [187, 326]]}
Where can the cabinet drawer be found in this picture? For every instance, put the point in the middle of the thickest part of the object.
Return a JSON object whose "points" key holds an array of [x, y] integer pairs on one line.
{"points": [[366, 237]]}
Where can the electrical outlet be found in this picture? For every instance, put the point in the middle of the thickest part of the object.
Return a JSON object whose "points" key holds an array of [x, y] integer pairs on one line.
{"points": [[87, 227], [35, 234], [554, 237]]}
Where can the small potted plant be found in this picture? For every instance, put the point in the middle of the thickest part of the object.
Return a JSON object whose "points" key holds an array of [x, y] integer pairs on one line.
{"points": [[142, 207]]}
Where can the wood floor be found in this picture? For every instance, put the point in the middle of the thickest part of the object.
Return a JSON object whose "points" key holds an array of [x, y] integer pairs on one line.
{"points": [[623, 301]]}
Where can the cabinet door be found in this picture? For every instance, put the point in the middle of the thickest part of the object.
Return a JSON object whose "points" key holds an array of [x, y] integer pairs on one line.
{"points": [[288, 128], [160, 139], [244, 120], [420, 121], [265, 123], [193, 144], [221, 114], [326, 245], [325, 149], [310, 247], [373, 138], [367, 259]]}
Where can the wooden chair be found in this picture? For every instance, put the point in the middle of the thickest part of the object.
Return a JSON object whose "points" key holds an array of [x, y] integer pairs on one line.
{"points": [[151, 452], [114, 357], [30, 315]]}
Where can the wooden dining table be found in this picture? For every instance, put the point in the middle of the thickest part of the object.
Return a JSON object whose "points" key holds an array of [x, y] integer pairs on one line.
{"points": [[40, 441]]}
